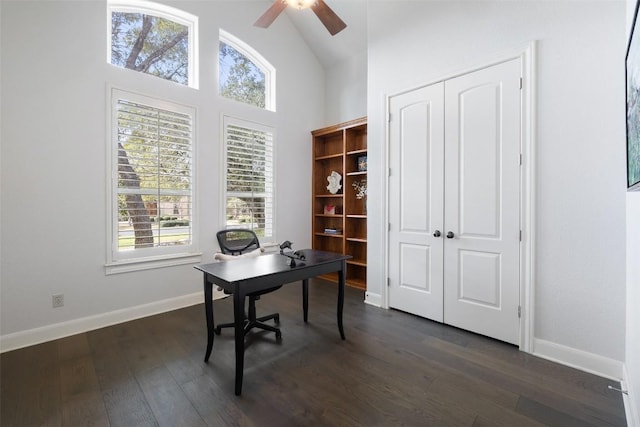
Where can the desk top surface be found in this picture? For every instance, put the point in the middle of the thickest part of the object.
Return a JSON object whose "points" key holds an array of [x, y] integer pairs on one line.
{"points": [[268, 264]]}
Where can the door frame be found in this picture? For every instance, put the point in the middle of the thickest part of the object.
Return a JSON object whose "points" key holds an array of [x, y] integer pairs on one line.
{"points": [[527, 56]]}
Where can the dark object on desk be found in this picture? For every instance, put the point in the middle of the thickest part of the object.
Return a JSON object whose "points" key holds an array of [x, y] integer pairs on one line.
{"points": [[248, 275], [292, 256], [285, 245], [238, 241]]}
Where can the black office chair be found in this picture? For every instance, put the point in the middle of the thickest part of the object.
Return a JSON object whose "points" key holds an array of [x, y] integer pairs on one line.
{"points": [[239, 241]]}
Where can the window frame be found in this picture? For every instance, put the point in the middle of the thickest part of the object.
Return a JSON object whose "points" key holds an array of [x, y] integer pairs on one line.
{"points": [[166, 12], [119, 261], [227, 119], [256, 58]]}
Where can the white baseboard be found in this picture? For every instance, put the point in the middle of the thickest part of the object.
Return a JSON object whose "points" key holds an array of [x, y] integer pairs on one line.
{"points": [[582, 360], [630, 410], [64, 329], [373, 299]]}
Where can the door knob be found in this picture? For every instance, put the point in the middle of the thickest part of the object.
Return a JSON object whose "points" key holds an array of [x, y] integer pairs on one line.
{"points": [[450, 235], [437, 233]]}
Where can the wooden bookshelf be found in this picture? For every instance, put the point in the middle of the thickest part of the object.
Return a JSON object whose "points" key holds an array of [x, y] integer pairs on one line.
{"points": [[341, 148]]}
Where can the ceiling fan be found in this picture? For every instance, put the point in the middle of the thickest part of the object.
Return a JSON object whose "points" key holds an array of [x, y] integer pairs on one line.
{"points": [[328, 17]]}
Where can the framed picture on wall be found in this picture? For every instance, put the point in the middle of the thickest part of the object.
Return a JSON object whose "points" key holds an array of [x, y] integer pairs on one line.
{"points": [[632, 67]]}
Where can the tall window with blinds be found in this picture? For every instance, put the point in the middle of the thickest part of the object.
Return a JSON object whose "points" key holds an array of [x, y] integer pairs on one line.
{"points": [[152, 176], [249, 190]]}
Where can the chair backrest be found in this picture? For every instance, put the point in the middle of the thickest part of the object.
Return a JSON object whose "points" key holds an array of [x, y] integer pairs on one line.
{"points": [[235, 241]]}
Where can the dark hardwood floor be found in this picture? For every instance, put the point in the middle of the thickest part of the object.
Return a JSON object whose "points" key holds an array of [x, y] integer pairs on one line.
{"points": [[393, 369]]}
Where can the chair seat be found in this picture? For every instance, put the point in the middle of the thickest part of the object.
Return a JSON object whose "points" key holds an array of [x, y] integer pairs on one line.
{"points": [[255, 294]]}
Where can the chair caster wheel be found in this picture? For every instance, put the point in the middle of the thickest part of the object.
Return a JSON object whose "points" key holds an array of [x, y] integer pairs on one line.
{"points": [[276, 319], [218, 331], [278, 335]]}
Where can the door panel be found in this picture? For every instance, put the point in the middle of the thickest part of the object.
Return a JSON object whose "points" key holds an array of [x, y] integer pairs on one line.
{"points": [[415, 265], [479, 159], [479, 278], [415, 144], [482, 188], [416, 201]]}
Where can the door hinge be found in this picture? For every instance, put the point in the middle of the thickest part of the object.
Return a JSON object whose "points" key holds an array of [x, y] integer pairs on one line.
{"points": [[389, 172], [519, 312], [388, 281], [520, 83], [389, 117], [520, 159], [389, 227], [520, 236]]}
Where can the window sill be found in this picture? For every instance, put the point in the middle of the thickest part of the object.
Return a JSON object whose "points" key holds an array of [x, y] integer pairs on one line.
{"points": [[127, 266]]}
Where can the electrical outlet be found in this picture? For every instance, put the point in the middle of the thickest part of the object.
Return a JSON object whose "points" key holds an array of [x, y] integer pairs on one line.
{"points": [[57, 300]]}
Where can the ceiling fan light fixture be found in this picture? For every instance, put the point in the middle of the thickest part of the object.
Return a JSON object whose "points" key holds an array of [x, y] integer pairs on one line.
{"points": [[300, 4], [328, 17]]}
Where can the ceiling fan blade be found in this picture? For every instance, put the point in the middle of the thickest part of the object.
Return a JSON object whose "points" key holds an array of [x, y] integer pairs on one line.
{"points": [[328, 17], [271, 14]]}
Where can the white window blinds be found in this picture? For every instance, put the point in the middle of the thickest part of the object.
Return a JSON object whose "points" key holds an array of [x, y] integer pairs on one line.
{"points": [[154, 189], [249, 194]]}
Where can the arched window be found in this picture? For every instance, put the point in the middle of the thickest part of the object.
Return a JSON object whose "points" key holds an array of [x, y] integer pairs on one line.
{"points": [[154, 39], [244, 75]]}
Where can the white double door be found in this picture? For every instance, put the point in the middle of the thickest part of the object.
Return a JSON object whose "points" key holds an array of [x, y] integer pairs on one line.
{"points": [[454, 201]]}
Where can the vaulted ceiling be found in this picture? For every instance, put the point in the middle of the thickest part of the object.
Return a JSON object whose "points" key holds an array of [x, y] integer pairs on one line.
{"points": [[332, 49]]}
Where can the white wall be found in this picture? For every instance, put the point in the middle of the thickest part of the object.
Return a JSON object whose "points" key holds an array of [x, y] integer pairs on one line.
{"points": [[580, 214], [632, 357], [346, 94], [53, 218], [632, 354]]}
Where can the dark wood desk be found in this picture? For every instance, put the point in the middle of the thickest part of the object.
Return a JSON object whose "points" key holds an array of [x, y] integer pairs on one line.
{"points": [[247, 275]]}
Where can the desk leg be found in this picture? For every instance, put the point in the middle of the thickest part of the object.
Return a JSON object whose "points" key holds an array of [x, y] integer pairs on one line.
{"points": [[208, 312], [342, 275], [305, 299], [238, 316]]}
